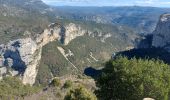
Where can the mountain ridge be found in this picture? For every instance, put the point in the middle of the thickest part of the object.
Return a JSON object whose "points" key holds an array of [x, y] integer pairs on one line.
{"points": [[143, 19]]}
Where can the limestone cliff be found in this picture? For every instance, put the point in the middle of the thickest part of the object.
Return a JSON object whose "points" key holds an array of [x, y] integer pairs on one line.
{"points": [[161, 37], [73, 31], [23, 55]]}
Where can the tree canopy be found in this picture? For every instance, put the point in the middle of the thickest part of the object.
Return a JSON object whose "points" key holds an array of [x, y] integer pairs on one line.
{"points": [[134, 79]]}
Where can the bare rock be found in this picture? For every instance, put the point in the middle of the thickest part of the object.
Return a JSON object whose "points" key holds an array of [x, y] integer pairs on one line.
{"points": [[72, 31], [161, 36], [24, 55]]}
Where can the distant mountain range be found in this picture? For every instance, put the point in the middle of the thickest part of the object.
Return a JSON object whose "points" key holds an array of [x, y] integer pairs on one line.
{"points": [[142, 19]]}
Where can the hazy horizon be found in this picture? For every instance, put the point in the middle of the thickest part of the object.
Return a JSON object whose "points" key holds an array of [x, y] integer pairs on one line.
{"points": [[114, 3]]}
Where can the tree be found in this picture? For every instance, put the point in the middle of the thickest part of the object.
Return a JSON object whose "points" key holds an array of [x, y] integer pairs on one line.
{"points": [[134, 79], [80, 93]]}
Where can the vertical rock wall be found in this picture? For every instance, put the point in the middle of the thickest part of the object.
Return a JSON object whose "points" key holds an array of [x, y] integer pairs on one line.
{"points": [[161, 35]]}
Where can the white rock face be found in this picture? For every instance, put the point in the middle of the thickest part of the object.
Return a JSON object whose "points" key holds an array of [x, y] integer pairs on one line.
{"points": [[105, 37], [14, 73], [72, 31], [161, 36], [49, 35], [31, 70], [18, 54], [24, 55], [26, 49], [3, 70], [1, 62]]}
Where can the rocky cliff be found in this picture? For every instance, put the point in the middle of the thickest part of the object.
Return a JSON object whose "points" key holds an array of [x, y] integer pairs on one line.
{"points": [[161, 35], [72, 31], [23, 55]]}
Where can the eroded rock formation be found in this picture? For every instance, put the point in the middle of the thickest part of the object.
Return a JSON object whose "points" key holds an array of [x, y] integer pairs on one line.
{"points": [[161, 37], [24, 55]]}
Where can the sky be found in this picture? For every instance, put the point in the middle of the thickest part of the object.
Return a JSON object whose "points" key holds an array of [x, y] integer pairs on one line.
{"points": [[153, 3]]}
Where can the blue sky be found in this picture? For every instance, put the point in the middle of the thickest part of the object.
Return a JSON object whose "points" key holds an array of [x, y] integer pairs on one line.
{"points": [[154, 3]]}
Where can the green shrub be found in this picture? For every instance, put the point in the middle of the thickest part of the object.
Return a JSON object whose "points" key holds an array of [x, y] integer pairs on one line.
{"points": [[134, 79], [68, 84], [12, 88], [80, 93], [56, 82], [58, 94]]}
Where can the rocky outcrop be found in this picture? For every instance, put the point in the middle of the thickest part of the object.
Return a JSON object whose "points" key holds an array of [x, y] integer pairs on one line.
{"points": [[3, 71], [49, 35], [31, 70], [72, 31], [24, 55], [161, 37], [18, 55]]}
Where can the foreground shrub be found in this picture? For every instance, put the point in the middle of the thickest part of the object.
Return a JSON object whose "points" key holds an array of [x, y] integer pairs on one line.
{"points": [[12, 88], [80, 93], [134, 79], [56, 82], [68, 84]]}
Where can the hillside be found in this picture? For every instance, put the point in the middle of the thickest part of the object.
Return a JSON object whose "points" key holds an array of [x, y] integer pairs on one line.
{"points": [[90, 50], [22, 18]]}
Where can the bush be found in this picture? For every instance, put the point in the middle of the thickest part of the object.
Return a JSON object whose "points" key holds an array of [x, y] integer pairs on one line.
{"points": [[68, 84], [12, 88], [80, 93], [134, 79], [56, 82]]}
